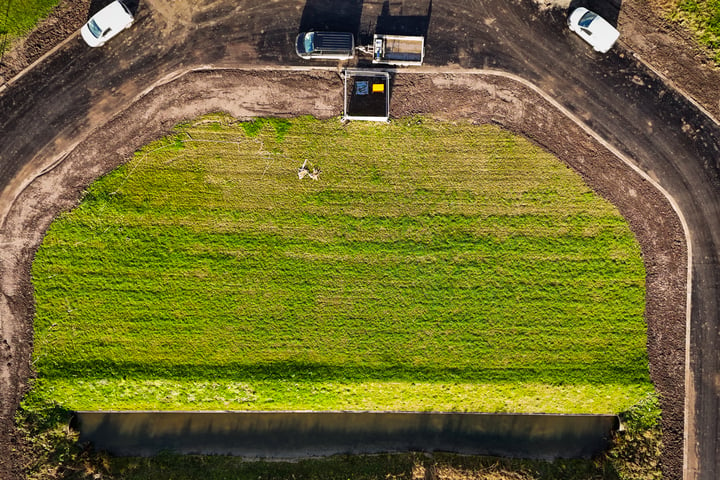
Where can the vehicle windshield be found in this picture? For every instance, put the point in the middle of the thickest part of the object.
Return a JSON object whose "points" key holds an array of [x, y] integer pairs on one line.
{"points": [[587, 19], [94, 28], [309, 41]]}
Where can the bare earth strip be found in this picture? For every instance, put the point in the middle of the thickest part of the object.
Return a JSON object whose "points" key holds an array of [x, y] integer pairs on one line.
{"points": [[244, 94], [669, 49]]}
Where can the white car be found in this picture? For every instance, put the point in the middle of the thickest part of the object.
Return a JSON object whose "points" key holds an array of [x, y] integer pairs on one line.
{"points": [[594, 29], [106, 23]]}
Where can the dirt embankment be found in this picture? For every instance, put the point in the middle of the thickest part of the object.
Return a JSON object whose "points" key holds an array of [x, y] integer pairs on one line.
{"points": [[670, 49]]}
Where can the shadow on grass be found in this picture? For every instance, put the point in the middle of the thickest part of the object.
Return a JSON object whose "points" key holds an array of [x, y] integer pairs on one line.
{"points": [[617, 372]]}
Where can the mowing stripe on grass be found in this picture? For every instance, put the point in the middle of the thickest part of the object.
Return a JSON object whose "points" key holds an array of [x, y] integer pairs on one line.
{"points": [[426, 252]]}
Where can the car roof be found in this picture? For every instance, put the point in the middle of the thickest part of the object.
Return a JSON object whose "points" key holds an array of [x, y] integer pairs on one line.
{"points": [[114, 16], [577, 13], [604, 35]]}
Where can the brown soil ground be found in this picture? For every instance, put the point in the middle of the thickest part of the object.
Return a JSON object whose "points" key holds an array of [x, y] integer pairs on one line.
{"points": [[66, 19], [480, 98], [671, 51]]}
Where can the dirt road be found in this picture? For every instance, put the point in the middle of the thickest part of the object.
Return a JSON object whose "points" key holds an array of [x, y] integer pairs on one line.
{"points": [[83, 111]]}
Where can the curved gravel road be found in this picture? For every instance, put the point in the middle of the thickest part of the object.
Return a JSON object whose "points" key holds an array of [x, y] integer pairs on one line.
{"points": [[76, 90]]}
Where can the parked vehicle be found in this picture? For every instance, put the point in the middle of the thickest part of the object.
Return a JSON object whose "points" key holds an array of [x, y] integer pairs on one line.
{"points": [[594, 29], [398, 49], [327, 45], [106, 23]]}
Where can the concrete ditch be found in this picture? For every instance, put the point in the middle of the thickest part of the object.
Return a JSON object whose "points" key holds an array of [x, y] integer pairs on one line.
{"points": [[292, 435]]}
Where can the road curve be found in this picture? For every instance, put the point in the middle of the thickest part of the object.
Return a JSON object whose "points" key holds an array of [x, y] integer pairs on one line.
{"points": [[76, 90]]}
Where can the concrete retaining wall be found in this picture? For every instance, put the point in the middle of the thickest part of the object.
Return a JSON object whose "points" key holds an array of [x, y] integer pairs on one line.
{"points": [[307, 434]]}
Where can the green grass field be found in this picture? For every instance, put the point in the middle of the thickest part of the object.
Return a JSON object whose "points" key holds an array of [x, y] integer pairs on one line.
{"points": [[432, 266], [379, 467], [703, 18], [18, 17]]}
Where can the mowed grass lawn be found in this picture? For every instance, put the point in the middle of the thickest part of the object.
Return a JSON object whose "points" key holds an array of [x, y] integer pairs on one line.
{"points": [[432, 266]]}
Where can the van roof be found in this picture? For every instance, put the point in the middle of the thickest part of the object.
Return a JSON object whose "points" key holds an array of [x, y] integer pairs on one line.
{"points": [[333, 41], [115, 16]]}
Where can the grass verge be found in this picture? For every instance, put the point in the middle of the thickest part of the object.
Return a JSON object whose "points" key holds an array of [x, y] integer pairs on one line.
{"points": [[18, 17], [702, 17]]}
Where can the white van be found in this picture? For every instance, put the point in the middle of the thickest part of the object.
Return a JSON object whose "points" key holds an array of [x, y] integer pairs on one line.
{"points": [[328, 45], [594, 29], [106, 23]]}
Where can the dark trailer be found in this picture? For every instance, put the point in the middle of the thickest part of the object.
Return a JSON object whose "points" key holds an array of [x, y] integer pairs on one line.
{"points": [[367, 95]]}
